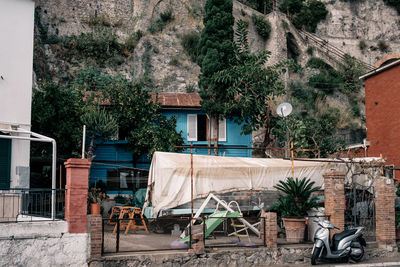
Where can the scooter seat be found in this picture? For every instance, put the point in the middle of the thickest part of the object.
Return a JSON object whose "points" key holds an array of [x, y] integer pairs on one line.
{"points": [[345, 233], [337, 237]]}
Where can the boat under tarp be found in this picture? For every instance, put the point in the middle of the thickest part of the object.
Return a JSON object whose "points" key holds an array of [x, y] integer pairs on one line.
{"points": [[169, 183]]}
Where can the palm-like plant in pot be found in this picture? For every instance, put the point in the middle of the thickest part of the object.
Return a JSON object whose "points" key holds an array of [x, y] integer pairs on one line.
{"points": [[294, 204]]}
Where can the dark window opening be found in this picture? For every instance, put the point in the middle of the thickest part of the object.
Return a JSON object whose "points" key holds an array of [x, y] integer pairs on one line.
{"points": [[5, 163], [202, 127]]}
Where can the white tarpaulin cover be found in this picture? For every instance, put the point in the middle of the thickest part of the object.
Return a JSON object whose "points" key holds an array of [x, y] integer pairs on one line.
{"points": [[169, 177]]}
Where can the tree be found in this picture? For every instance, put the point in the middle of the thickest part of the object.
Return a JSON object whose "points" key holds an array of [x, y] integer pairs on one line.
{"points": [[56, 112], [251, 85], [100, 125], [60, 112], [351, 70], [140, 120], [216, 51]]}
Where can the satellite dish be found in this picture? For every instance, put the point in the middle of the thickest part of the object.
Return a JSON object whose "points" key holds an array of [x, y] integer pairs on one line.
{"points": [[284, 109]]}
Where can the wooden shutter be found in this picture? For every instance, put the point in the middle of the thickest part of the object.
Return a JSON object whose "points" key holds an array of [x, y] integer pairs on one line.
{"points": [[221, 130], [192, 127], [5, 163]]}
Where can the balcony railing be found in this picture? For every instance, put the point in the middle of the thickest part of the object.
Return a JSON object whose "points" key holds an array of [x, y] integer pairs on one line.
{"points": [[18, 205]]}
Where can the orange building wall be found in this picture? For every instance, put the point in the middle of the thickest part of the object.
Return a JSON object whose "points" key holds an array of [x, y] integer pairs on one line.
{"points": [[382, 104]]}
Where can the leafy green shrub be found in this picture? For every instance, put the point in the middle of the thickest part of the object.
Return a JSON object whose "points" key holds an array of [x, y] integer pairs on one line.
{"points": [[285, 25], [53, 39], [383, 46], [102, 20], [302, 92], [263, 27], [159, 24], [327, 80], [305, 15], [174, 61], [393, 3], [190, 43], [291, 6], [355, 108], [310, 51], [317, 63], [362, 45], [167, 16], [190, 88], [133, 40], [99, 45], [350, 71]]}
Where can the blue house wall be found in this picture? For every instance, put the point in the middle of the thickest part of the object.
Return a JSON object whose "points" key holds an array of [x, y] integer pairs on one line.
{"points": [[233, 136], [116, 152]]}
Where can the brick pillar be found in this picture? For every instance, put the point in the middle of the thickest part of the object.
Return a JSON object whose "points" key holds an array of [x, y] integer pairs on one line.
{"points": [[95, 231], [271, 229], [385, 212], [334, 198], [76, 196]]}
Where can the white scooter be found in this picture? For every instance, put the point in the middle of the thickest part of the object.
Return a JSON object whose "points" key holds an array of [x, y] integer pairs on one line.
{"points": [[345, 245]]}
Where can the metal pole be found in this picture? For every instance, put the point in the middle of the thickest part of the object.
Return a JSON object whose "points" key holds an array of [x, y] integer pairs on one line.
{"points": [[265, 233], [291, 157], [102, 237], [53, 181], [117, 239], [83, 141], [191, 177]]}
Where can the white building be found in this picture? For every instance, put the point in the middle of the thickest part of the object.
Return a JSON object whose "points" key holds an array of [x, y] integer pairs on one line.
{"points": [[16, 59]]}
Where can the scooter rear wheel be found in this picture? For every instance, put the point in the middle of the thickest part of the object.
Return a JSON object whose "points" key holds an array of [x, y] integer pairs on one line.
{"points": [[360, 257], [315, 255]]}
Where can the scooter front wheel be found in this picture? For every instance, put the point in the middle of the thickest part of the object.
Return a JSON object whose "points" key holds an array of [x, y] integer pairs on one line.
{"points": [[315, 255]]}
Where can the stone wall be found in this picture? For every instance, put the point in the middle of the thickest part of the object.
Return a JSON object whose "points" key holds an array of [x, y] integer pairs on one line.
{"points": [[289, 255], [41, 244]]}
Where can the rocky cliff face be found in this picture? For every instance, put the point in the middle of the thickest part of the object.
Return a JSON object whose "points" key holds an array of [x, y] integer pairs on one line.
{"points": [[368, 21], [142, 42], [160, 54]]}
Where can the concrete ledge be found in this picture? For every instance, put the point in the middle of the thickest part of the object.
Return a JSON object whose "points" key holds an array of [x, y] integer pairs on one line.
{"points": [[33, 229]]}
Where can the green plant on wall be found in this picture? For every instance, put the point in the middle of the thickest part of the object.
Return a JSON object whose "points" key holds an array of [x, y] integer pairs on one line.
{"points": [[262, 25], [190, 43], [304, 14], [160, 23]]}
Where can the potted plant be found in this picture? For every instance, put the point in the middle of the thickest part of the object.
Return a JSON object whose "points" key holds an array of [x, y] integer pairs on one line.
{"points": [[294, 203], [95, 196]]}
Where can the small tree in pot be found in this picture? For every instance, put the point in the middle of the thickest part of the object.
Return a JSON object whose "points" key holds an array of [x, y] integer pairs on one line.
{"points": [[294, 204], [95, 196]]}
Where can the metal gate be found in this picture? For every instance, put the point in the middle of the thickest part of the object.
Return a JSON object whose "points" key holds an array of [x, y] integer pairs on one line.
{"points": [[360, 197]]}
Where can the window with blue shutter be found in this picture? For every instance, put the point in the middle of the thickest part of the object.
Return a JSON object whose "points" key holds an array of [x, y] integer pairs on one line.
{"points": [[5, 163]]}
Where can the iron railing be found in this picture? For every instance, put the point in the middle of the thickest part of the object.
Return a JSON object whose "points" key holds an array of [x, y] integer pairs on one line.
{"points": [[115, 237], [33, 204]]}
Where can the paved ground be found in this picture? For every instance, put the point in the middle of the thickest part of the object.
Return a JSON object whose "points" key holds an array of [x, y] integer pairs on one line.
{"points": [[394, 261]]}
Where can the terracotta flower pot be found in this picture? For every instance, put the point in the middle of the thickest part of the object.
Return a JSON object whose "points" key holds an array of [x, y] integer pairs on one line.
{"points": [[294, 229], [95, 208]]}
